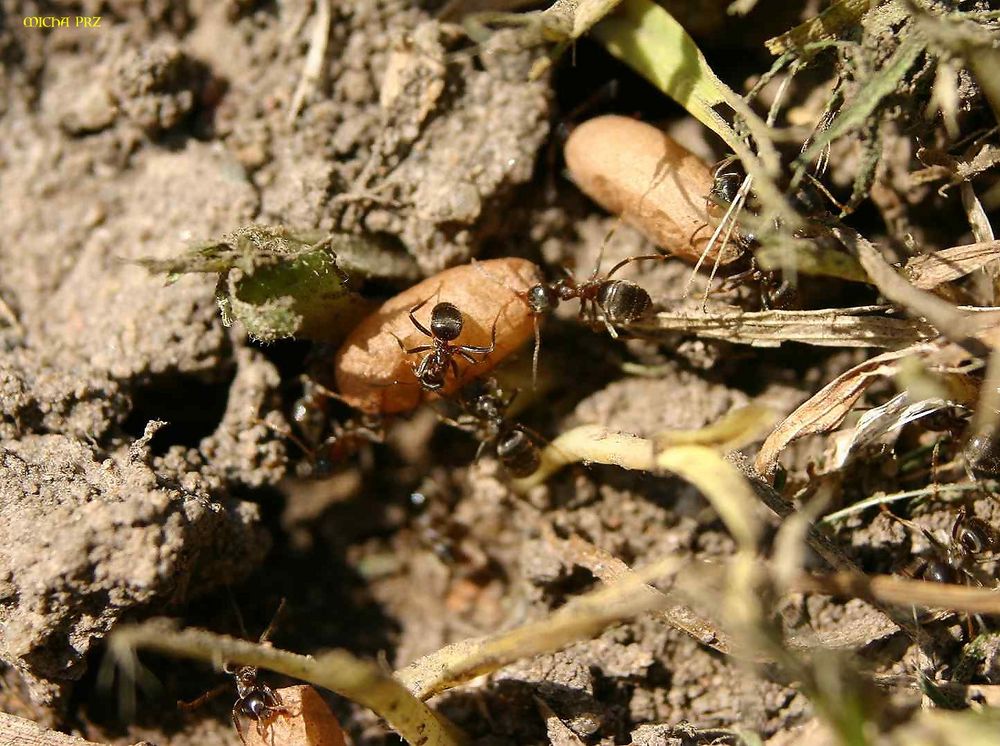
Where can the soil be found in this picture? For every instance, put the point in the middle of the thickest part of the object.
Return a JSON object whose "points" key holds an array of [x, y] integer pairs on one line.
{"points": [[143, 470]]}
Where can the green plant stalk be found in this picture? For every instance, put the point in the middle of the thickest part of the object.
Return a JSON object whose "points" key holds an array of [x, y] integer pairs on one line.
{"points": [[337, 670]]}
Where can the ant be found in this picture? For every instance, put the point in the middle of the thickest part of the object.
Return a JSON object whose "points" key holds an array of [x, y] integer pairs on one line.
{"points": [[255, 701], [445, 327], [971, 538], [327, 442], [616, 301], [485, 416]]}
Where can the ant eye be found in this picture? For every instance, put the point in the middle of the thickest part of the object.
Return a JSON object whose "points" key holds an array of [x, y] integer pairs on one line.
{"points": [[970, 541]]}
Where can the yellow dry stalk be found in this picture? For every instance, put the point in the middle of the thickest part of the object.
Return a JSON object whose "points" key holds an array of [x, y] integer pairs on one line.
{"points": [[580, 619], [339, 671], [598, 444]]}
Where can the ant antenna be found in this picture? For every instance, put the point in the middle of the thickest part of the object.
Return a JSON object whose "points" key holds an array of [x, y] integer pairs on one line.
{"points": [[236, 611], [266, 634]]}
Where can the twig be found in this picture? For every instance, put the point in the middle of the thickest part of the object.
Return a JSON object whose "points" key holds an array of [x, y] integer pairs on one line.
{"points": [[338, 671], [312, 70]]}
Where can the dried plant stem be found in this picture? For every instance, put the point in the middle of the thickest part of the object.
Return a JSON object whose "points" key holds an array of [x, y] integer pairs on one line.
{"points": [[338, 671], [890, 589], [580, 619], [961, 328]]}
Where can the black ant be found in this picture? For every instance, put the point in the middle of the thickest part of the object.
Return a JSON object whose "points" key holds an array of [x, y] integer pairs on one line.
{"points": [[446, 326], [255, 701], [617, 301], [485, 416], [971, 538], [327, 442]]}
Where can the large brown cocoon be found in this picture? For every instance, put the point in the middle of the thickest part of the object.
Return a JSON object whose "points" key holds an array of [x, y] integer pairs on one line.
{"points": [[633, 169], [310, 723], [374, 375]]}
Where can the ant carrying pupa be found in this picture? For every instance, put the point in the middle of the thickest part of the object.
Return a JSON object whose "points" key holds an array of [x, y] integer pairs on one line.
{"points": [[446, 326], [256, 701], [374, 371]]}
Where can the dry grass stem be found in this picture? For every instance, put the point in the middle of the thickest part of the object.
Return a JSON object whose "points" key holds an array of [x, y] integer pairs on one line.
{"points": [[339, 671], [862, 326]]}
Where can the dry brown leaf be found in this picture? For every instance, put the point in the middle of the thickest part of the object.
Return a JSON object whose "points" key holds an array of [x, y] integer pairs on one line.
{"points": [[864, 326], [828, 407], [927, 271]]}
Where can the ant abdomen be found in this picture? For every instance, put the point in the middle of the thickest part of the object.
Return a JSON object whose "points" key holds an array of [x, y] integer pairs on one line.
{"points": [[982, 453], [446, 321], [622, 301], [518, 452]]}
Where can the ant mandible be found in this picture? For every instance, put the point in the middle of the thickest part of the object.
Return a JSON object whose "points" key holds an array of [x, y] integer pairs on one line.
{"points": [[445, 327]]}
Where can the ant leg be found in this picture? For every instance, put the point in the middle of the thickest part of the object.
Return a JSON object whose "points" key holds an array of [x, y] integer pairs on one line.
{"points": [[482, 350], [604, 244], [611, 330], [629, 260], [534, 354], [411, 350], [207, 696], [413, 319], [238, 724]]}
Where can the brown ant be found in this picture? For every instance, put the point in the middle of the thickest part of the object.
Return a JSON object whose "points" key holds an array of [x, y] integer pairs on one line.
{"points": [[255, 701], [445, 327], [485, 417]]}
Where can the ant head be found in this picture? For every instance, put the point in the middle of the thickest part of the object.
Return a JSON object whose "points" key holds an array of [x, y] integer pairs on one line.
{"points": [[446, 322], [542, 298]]}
